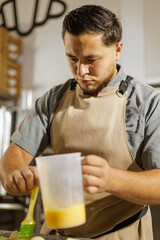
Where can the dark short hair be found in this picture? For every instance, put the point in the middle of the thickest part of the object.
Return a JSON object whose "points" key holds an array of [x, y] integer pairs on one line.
{"points": [[93, 18]]}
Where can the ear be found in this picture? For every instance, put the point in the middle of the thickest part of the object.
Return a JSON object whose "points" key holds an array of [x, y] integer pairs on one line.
{"points": [[118, 50]]}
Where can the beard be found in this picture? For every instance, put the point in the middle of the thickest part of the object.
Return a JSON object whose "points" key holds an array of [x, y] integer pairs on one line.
{"points": [[94, 92]]}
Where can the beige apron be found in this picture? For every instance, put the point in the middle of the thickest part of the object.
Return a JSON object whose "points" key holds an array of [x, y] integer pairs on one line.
{"points": [[96, 125]]}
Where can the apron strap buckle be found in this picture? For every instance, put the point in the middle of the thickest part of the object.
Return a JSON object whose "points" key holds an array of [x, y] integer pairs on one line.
{"points": [[123, 86]]}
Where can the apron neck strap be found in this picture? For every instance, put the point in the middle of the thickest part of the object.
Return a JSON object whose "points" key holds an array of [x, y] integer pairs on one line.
{"points": [[73, 84], [124, 85]]}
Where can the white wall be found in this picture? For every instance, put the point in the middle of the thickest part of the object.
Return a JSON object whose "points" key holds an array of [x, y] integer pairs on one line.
{"points": [[152, 35], [141, 34], [132, 58]]}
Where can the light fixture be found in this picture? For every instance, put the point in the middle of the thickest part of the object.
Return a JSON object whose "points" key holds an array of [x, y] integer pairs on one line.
{"points": [[12, 7]]}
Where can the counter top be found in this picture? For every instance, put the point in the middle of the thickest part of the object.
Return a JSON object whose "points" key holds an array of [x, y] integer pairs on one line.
{"points": [[46, 237]]}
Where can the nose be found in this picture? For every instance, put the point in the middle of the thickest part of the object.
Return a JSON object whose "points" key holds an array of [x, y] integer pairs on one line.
{"points": [[82, 69]]}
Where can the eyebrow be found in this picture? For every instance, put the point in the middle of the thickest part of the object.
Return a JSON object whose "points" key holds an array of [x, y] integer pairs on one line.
{"points": [[89, 56], [69, 55]]}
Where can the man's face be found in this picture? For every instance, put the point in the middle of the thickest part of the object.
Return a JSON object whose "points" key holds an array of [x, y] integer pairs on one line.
{"points": [[92, 64]]}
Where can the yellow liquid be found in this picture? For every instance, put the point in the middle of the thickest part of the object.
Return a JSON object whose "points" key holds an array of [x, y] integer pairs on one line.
{"points": [[65, 218]]}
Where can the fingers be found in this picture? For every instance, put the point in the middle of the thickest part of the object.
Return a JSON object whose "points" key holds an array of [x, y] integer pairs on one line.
{"points": [[10, 185], [94, 165], [91, 183], [22, 181], [36, 176], [90, 170], [92, 160], [95, 174], [91, 189]]}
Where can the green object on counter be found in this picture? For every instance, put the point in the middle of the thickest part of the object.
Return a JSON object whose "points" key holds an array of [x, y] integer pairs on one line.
{"points": [[27, 226]]}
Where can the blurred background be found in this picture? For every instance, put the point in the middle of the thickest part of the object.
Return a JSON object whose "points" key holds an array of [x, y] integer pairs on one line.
{"points": [[32, 60]]}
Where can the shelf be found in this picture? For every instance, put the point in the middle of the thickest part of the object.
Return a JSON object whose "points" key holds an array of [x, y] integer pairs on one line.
{"points": [[5, 97], [10, 64]]}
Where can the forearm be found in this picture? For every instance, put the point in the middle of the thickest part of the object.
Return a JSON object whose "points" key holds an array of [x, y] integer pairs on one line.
{"points": [[14, 158], [138, 187]]}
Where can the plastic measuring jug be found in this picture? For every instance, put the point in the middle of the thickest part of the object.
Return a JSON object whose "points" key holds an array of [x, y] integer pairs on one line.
{"points": [[62, 190]]}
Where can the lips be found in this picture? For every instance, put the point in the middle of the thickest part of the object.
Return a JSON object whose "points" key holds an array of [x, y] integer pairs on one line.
{"points": [[85, 81]]}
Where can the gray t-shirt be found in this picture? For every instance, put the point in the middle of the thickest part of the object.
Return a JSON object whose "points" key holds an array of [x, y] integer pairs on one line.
{"points": [[142, 121]]}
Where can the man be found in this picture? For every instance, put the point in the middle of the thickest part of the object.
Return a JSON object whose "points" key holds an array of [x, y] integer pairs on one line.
{"points": [[112, 119]]}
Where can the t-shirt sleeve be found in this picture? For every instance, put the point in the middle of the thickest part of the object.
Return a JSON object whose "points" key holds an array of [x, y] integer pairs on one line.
{"points": [[33, 132], [151, 146]]}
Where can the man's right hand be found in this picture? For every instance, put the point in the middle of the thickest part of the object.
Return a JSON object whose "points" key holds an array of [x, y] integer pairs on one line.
{"points": [[21, 181], [16, 175]]}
